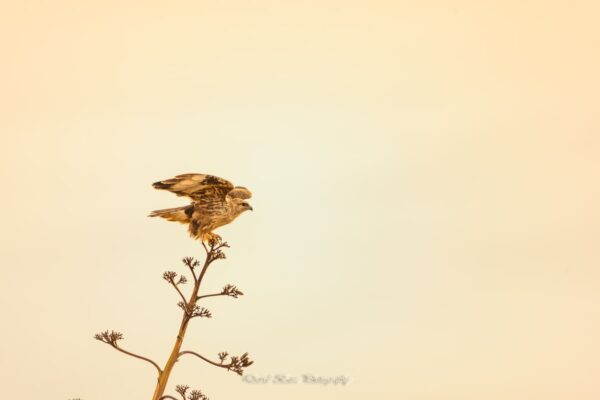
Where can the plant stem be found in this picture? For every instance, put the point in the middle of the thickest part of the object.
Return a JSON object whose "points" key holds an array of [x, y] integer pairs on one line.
{"points": [[163, 376], [137, 356]]}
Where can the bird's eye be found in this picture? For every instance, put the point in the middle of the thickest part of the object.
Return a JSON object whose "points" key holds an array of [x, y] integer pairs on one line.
{"points": [[244, 203]]}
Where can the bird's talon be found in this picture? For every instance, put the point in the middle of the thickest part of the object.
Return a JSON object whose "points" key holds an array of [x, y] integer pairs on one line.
{"points": [[214, 239]]}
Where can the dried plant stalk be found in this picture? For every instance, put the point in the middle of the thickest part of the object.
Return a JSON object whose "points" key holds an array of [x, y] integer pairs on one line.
{"points": [[214, 251]]}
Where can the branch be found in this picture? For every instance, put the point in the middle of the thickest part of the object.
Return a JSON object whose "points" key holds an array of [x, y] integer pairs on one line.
{"points": [[167, 397], [228, 290], [204, 358], [111, 338], [213, 253], [195, 311], [170, 276], [211, 295], [140, 357], [180, 294], [191, 264], [182, 389], [197, 395], [236, 365]]}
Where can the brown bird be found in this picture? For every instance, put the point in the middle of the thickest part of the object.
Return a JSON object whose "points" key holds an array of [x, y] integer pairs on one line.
{"points": [[215, 202]]}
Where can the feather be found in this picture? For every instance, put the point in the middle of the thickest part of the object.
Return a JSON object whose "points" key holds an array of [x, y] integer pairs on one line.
{"points": [[178, 214]]}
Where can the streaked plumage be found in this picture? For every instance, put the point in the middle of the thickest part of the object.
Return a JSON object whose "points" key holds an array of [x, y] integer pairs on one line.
{"points": [[215, 202]]}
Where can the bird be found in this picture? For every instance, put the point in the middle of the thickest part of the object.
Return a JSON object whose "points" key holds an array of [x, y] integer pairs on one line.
{"points": [[215, 202]]}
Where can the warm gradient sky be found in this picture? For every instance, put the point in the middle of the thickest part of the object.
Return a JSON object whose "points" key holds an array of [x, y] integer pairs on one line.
{"points": [[426, 190]]}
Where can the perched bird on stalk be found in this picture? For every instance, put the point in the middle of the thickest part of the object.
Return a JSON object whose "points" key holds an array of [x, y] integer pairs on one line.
{"points": [[215, 202]]}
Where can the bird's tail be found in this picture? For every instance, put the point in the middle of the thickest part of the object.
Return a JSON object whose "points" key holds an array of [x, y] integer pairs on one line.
{"points": [[179, 214]]}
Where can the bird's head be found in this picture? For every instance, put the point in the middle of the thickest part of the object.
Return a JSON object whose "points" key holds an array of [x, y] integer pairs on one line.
{"points": [[238, 196], [242, 205]]}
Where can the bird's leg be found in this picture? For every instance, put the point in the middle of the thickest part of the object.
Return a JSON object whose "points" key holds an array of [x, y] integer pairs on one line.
{"points": [[213, 239], [217, 239]]}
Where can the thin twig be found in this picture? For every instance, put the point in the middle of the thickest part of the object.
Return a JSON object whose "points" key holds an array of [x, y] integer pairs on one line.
{"points": [[137, 356], [207, 262], [167, 397], [179, 291], [211, 295], [205, 359], [193, 274]]}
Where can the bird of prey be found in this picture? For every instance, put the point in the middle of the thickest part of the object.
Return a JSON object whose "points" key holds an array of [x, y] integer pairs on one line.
{"points": [[215, 202]]}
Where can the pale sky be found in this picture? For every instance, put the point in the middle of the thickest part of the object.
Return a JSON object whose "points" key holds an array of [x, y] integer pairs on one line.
{"points": [[425, 179]]}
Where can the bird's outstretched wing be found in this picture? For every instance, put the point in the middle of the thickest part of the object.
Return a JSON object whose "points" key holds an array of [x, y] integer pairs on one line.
{"points": [[199, 187], [239, 192]]}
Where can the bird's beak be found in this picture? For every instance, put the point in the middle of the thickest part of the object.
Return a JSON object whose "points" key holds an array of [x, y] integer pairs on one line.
{"points": [[250, 207]]}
